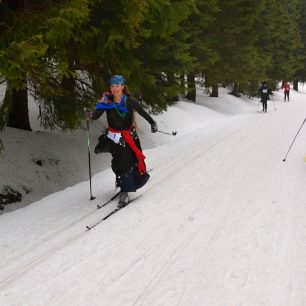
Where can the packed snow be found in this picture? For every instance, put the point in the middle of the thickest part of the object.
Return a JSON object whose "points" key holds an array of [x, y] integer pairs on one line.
{"points": [[222, 220]]}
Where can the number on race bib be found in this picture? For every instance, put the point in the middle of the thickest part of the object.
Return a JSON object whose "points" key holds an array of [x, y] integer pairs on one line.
{"points": [[115, 137]]}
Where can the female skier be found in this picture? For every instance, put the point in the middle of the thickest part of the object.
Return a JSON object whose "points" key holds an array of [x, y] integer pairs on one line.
{"points": [[286, 88], [121, 139]]}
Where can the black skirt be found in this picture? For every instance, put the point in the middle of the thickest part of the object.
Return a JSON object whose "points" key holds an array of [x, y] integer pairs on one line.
{"points": [[124, 162]]}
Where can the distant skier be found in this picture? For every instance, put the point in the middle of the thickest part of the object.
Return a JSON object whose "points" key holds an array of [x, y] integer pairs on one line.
{"points": [[264, 91], [286, 87], [121, 139]]}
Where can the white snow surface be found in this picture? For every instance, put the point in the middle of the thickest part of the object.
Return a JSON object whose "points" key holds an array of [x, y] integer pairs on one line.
{"points": [[222, 220]]}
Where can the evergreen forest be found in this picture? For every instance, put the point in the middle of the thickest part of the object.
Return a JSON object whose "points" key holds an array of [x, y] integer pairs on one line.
{"points": [[63, 52]]}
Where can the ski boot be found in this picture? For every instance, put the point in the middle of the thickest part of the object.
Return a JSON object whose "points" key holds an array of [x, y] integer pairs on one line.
{"points": [[123, 199]]}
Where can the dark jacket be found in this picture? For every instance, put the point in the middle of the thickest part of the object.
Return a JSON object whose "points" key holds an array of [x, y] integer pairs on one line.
{"points": [[264, 91], [119, 123], [124, 162]]}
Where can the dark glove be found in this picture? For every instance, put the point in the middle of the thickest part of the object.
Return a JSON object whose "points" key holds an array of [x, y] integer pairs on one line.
{"points": [[154, 127]]}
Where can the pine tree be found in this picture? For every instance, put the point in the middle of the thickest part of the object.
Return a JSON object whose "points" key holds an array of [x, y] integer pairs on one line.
{"points": [[280, 38], [62, 88], [201, 49], [164, 52], [33, 50], [233, 37], [19, 54], [300, 73]]}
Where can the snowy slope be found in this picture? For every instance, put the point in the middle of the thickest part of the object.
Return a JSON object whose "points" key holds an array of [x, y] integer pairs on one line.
{"points": [[42, 162], [222, 220]]}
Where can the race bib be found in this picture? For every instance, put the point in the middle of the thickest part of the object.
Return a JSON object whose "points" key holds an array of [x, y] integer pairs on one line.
{"points": [[265, 91], [115, 137]]}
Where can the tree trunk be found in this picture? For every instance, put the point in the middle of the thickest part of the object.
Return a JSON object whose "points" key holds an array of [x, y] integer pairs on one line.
{"points": [[191, 88], [235, 91], [182, 84], [18, 109], [172, 81], [296, 85], [214, 91], [253, 89], [17, 100], [66, 106], [15, 5]]}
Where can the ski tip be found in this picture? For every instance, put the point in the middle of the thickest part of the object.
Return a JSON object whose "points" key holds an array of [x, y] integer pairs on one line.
{"points": [[284, 160], [88, 227]]}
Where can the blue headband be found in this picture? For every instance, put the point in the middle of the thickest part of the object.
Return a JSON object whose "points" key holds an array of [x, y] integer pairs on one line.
{"points": [[117, 79]]}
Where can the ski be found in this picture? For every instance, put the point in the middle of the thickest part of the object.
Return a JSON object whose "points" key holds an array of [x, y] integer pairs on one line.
{"points": [[107, 202], [89, 227]]}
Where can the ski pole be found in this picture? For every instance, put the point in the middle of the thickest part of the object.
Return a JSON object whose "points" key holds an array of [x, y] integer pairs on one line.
{"points": [[294, 139], [172, 133], [89, 163], [273, 103], [258, 105]]}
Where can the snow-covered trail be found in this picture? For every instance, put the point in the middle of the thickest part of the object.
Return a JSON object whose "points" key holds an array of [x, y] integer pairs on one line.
{"points": [[222, 222]]}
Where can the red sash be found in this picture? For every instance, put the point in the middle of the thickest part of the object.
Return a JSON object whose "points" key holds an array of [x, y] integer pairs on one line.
{"points": [[130, 141]]}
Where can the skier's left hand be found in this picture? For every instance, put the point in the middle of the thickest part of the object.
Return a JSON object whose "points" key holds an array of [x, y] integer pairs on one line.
{"points": [[154, 127]]}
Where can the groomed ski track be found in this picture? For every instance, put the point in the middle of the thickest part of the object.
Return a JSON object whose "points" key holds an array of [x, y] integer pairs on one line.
{"points": [[222, 221]]}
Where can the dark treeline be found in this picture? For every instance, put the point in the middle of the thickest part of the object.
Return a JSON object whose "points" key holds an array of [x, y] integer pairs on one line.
{"points": [[63, 52]]}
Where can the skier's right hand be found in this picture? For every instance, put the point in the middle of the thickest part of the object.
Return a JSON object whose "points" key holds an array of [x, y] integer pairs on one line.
{"points": [[104, 98]]}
